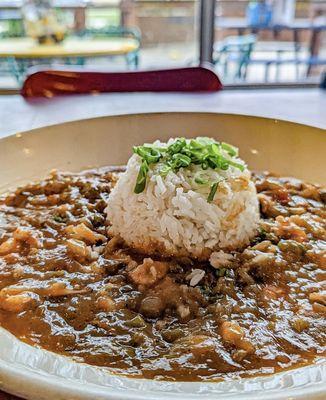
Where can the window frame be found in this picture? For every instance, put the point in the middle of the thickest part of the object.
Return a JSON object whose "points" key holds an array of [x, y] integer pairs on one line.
{"points": [[207, 25]]}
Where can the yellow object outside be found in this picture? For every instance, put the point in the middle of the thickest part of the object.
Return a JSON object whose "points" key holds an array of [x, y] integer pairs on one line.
{"points": [[70, 47], [41, 21]]}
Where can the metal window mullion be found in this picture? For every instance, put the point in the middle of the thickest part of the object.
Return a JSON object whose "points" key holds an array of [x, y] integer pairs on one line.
{"points": [[207, 20]]}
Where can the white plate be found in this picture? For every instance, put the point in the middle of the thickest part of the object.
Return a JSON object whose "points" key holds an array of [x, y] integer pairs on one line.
{"points": [[40, 374], [279, 146]]}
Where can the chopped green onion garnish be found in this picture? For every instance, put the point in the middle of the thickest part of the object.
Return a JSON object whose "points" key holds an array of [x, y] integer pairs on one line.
{"points": [[233, 151], [183, 153], [237, 165], [179, 161], [204, 165], [177, 146], [141, 178], [164, 170], [212, 192]]}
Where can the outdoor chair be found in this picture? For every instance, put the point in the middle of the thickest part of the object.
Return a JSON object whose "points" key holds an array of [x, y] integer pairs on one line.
{"points": [[8, 67], [314, 61], [285, 54], [132, 58], [235, 49]]}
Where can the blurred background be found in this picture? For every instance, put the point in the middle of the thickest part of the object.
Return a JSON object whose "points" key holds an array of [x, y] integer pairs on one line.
{"points": [[265, 43]]}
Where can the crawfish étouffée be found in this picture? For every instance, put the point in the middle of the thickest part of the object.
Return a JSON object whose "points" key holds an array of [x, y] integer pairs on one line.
{"points": [[69, 288]]}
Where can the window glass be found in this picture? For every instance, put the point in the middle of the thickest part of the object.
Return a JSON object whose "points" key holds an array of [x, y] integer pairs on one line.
{"points": [[255, 42], [270, 41], [146, 34]]}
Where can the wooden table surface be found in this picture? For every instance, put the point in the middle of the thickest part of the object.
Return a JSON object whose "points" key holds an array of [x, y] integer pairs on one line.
{"points": [[306, 106], [70, 47]]}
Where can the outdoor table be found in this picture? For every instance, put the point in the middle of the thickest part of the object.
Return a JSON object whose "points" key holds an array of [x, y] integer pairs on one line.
{"points": [[241, 26], [19, 52], [27, 48]]}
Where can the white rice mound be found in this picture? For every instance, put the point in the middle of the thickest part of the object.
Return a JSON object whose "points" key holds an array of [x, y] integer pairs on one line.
{"points": [[172, 216]]}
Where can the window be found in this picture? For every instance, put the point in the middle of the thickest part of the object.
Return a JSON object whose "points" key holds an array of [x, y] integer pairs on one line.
{"points": [[273, 41], [248, 42]]}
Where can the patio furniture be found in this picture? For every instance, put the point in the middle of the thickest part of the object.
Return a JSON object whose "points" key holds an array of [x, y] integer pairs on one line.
{"points": [[314, 61], [43, 83], [307, 61], [132, 58], [297, 26], [236, 49], [21, 53], [285, 53]]}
